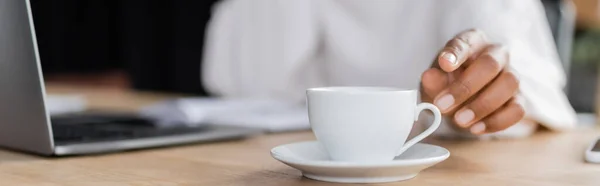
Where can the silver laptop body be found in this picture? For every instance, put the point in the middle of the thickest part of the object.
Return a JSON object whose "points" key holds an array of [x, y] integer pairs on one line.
{"points": [[24, 121]]}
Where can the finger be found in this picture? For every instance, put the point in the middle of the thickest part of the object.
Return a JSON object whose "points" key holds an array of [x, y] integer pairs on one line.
{"points": [[455, 74], [433, 81], [511, 113], [460, 48], [502, 89], [483, 70]]}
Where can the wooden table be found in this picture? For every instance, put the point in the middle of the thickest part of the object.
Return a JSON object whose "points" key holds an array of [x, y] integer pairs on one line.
{"points": [[544, 159]]}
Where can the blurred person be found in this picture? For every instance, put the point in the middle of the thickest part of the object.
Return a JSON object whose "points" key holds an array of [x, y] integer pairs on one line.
{"points": [[490, 66]]}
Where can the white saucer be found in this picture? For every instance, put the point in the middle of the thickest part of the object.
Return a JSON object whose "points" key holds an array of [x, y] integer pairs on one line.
{"points": [[312, 159]]}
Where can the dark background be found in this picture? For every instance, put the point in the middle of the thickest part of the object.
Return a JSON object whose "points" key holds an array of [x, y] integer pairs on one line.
{"points": [[157, 43]]}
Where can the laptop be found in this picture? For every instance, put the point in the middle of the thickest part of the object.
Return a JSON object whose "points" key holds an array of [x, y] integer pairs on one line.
{"points": [[25, 123]]}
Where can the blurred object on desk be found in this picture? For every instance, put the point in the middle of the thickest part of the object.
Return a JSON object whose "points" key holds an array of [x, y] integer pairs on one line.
{"points": [[65, 103], [267, 115]]}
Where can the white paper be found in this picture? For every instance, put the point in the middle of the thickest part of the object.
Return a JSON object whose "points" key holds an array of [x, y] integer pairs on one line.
{"points": [[63, 104], [269, 115]]}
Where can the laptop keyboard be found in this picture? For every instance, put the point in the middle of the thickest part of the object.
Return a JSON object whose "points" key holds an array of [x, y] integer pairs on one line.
{"points": [[101, 128]]}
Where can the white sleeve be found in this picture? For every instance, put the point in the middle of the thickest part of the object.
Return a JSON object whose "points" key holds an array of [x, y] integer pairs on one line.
{"points": [[534, 57], [261, 49], [521, 25]]}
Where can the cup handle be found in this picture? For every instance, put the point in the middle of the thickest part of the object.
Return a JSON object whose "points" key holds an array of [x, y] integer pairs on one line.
{"points": [[436, 123]]}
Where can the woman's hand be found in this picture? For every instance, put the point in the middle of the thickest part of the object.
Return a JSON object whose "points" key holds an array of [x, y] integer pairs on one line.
{"points": [[470, 83]]}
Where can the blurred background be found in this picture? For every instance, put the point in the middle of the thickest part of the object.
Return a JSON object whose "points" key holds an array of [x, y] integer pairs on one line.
{"points": [[155, 45], [141, 44]]}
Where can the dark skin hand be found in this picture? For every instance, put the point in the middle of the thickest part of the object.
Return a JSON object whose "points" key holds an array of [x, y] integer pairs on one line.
{"points": [[470, 84]]}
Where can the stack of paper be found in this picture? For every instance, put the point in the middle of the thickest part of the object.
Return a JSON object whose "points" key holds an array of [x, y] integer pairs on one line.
{"points": [[270, 115], [64, 104]]}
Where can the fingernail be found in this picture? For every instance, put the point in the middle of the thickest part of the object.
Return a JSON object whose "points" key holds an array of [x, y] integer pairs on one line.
{"points": [[450, 57], [445, 101], [464, 117], [478, 128]]}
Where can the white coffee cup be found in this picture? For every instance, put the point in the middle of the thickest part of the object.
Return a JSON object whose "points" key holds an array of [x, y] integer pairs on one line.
{"points": [[366, 124]]}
